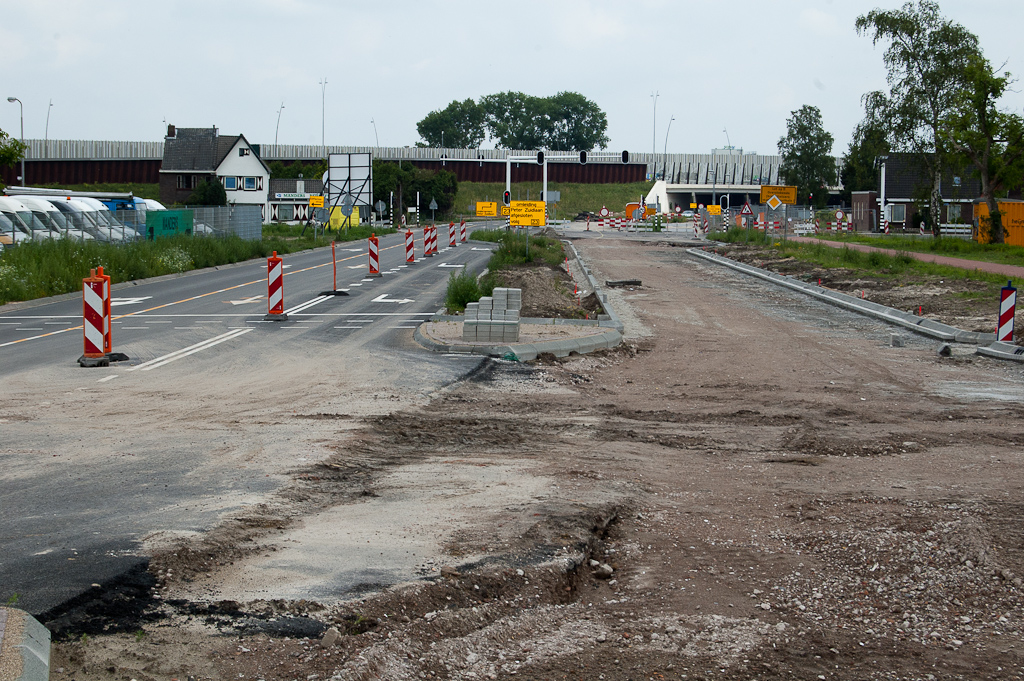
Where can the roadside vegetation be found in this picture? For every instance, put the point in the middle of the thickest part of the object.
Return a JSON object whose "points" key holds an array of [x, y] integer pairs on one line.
{"points": [[56, 266], [576, 197], [874, 264], [951, 246], [512, 251]]}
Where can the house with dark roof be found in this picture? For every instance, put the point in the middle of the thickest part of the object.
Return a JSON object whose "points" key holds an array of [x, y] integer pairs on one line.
{"points": [[289, 198], [194, 155], [908, 186]]}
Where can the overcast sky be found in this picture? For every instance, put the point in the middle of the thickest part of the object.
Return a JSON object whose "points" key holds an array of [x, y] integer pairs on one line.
{"points": [[116, 70]]}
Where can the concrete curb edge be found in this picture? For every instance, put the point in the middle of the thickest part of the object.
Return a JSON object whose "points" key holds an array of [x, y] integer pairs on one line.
{"points": [[33, 645]]}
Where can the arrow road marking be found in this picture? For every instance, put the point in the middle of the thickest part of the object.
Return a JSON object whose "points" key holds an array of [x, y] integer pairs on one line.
{"points": [[114, 302], [383, 298], [444, 264], [254, 299]]}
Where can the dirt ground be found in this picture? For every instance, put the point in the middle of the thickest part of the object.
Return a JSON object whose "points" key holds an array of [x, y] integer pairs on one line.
{"points": [[753, 486], [967, 304]]}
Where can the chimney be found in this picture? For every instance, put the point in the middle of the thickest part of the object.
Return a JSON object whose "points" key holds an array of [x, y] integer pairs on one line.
{"points": [[171, 133]]}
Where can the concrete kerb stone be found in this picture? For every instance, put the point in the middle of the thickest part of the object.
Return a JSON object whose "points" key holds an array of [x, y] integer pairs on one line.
{"points": [[612, 320], [921, 325], [1001, 350], [24, 647]]}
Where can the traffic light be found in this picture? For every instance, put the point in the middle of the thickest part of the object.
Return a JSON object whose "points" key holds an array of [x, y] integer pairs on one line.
{"points": [[583, 158], [625, 157], [507, 198], [540, 158]]}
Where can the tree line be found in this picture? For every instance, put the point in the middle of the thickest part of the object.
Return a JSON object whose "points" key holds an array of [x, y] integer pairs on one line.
{"points": [[942, 106], [567, 121]]}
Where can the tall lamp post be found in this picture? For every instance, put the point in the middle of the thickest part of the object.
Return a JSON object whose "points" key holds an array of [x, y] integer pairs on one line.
{"points": [[46, 135], [376, 139], [323, 112], [654, 128], [21, 108], [278, 126], [665, 152]]}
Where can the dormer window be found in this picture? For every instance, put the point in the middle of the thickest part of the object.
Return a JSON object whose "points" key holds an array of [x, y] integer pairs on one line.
{"points": [[244, 151]]}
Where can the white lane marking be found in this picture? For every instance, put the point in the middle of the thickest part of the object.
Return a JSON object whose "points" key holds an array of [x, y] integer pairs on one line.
{"points": [[246, 301], [366, 280], [107, 378], [352, 250], [129, 328], [28, 328], [401, 327], [192, 349], [402, 267], [14, 323], [115, 302], [357, 267], [489, 250], [348, 327], [355, 284], [444, 264], [306, 305], [383, 298], [56, 322], [379, 314]]}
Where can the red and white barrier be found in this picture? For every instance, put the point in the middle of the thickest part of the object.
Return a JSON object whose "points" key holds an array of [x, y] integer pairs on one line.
{"points": [[885, 226], [374, 256], [836, 226], [96, 319], [1007, 311], [462, 231], [410, 247], [275, 288], [451, 235], [427, 253]]}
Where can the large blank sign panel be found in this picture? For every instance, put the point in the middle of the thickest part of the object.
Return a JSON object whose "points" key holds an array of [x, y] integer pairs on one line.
{"points": [[349, 175]]}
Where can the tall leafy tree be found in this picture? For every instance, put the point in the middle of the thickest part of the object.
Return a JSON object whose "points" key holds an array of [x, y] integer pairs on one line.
{"points": [[806, 152], [459, 125], [926, 60], [209, 193], [990, 139], [574, 123], [516, 120], [11, 151], [857, 170]]}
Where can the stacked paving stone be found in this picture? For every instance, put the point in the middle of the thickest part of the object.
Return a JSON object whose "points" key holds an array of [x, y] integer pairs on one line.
{"points": [[494, 319]]}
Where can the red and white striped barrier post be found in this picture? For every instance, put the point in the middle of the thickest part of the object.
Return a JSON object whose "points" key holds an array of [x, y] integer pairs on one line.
{"points": [[885, 226], [95, 319], [451, 235], [410, 247], [427, 253], [275, 289], [588, 224], [374, 257], [922, 228], [1007, 310], [462, 231]]}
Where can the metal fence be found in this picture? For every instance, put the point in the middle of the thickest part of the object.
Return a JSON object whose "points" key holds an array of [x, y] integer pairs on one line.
{"points": [[246, 222]]}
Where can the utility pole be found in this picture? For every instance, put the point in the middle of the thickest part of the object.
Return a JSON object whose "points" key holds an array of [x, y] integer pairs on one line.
{"points": [[278, 123], [21, 108], [665, 152], [376, 139], [654, 129], [323, 113]]}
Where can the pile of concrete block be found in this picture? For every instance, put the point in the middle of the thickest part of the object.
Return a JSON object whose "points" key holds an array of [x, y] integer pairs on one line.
{"points": [[495, 319]]}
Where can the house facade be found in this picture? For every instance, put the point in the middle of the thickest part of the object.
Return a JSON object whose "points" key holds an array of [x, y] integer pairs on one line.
{"points": [[289, 198], [194, 155], [905, 188]]}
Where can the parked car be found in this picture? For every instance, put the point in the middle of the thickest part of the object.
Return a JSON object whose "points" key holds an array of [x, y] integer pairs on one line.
{"points": [[13, 229], [106, 220], [584, 215], [81, 216], [51, 216]]}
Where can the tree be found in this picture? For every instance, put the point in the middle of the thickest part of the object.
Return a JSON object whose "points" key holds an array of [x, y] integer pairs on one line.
{"points": [[459, 125], [567, 121], [209, 193], [926, 60], [405, 179], [806, 156], [858, 171], [989, 139], [11, 151]]}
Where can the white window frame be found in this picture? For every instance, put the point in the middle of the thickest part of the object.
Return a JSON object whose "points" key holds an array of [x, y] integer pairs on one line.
{"points": [[234, 183], [897, 209], [283, 207], [245, 184], [954, 208]]}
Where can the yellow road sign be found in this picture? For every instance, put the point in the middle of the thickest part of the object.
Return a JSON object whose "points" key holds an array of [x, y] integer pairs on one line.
{"points": [[486, 209], [316, 202], [714, 209], [506, 211], [527, 214], [785, 193]]}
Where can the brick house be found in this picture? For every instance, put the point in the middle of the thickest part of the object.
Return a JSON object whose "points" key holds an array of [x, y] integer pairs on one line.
{"points": [[194, 155], [908, 186]]}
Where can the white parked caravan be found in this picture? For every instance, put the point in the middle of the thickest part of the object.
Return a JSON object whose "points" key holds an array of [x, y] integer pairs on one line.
{"points": [[82, 216], [110, 225], [37, 230]]}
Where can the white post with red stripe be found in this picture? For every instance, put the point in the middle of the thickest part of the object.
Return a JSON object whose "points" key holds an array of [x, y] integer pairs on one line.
{"points": [[451, 235], [410, 247], [374, 257], [275, 289], [462, 231], [427, 253], [1007, 310]]}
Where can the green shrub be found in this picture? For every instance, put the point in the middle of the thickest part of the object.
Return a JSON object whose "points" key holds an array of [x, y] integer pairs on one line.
{"points": [[462, 289]]}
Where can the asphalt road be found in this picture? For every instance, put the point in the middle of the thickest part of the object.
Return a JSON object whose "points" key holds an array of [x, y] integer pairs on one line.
{"points": [[89, 467]]}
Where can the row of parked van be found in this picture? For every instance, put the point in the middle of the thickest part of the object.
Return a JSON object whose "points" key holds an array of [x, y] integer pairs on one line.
{"points": [[34, 217]]}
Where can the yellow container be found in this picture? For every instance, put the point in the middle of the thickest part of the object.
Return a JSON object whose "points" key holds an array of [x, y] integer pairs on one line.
{"points": [[1013, 221]]}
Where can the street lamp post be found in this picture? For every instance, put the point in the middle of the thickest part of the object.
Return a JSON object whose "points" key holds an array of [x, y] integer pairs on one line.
{"points": [[278, 126], [376, 139], [46, 135], [665, 152], [21, 108], [323, 112], [654, 129]]}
